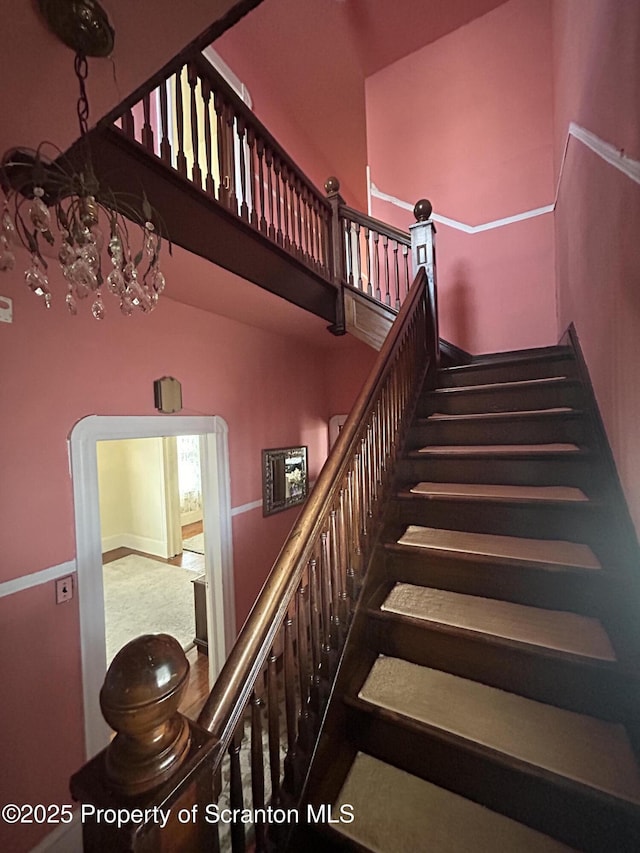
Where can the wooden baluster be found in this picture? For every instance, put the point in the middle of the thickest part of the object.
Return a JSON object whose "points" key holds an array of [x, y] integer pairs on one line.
{"points": [[303, 221], [336, 584], [299, 215], [277, 168], [407, 283], [285, 187], [210, 184], [230, 168], [349, 248], [354, 526], [316, 232], [291, 780], [357, 503], [263, 218], [257, 772], [397, 273], [305, 730], [309, 228], [367, 241], [329, 641], [147, 130], [192, 76], [348, 602], [364, 491], [223, 183], [358, 256], [385, 246], [236, 796], [376, 264], [244, 207], [268, 159], [326, 238], [273, 709], [128, 124], [315, 606], [181, 161], [165, 143], [251, 142]]}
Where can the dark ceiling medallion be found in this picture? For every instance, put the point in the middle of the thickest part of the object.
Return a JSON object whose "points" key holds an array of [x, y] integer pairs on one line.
{"points": [[81, 24]]}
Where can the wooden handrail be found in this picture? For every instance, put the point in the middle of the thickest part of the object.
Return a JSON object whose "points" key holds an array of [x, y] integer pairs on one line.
{"points": [[373, 224], [222, 709]]}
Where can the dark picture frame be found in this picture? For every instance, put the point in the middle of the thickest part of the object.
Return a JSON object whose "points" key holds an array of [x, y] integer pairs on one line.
{"points": [[285, 479]]}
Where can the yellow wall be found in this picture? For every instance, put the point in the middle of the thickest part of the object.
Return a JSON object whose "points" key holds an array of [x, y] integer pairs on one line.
{"points": [[132, 495]]}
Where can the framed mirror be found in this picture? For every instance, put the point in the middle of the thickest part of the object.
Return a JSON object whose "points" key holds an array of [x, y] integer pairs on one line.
{"points": [[285, 482]]}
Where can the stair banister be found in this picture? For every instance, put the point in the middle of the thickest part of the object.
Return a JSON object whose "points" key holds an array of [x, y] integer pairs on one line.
{"points": [[285, 658]]}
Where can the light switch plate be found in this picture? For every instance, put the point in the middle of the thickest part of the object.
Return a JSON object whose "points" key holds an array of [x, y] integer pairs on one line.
{"points": [[64, 589], [6, 309]]}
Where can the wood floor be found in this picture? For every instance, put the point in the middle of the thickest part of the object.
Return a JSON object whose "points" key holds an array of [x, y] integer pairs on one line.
{"points": [[198, 688]]}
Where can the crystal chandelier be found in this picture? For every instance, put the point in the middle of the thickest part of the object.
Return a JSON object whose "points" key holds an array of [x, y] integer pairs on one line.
{"points": [[55, 210]]}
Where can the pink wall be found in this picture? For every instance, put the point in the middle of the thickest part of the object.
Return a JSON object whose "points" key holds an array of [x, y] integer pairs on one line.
{"points": [[307, 87], [271, 389], [597, 68], [468, 122]]}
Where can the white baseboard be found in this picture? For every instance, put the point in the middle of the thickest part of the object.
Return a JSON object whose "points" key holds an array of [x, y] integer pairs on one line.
{"points": [[156, 547], [65, 838]]}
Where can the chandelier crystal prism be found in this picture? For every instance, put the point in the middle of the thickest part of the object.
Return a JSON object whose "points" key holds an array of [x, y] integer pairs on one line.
{"points": [[60, 213]]}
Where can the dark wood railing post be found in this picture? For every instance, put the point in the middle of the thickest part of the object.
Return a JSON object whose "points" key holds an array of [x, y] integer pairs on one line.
{"points": [[148, 790], [423, 253], [336, 243]]}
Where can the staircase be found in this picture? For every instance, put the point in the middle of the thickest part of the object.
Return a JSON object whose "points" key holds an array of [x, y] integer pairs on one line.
{"points": [[488, 697]]}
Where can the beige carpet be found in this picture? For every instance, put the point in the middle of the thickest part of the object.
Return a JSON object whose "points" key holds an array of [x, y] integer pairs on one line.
{"points": [[550, 551], [194, 543], [576, 746], [145, 596], [553, 629], [396, 812]]}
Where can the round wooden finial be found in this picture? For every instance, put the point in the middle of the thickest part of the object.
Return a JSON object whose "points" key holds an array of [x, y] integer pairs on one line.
{"points": [[140, 697], [422, 210], [332, 185]]}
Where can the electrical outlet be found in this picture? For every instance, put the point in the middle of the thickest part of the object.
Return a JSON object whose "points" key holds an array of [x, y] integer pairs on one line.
{"points": [[64, 589]]}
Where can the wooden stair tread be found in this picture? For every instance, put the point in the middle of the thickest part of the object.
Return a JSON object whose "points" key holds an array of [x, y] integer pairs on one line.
{"points": [[556, 630], [520, 413], [496, 386], [500, 492], [396, 811], [584, 749], [492, 449], [548, 551]]}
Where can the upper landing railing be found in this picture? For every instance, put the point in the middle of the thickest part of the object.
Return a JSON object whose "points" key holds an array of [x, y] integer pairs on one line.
{"points": [[195, 124]]}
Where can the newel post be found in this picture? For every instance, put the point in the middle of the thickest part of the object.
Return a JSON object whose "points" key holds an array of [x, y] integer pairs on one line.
{"points": [[147, 791], [336, 241], [423, 254]]}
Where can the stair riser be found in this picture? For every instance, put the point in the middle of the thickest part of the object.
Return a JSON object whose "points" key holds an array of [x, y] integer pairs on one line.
{"points": [[575, 817], [581, 523], [586, 593], [555, 429], [501, 399], [551, 470], [510, 372], [587, 688]]}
